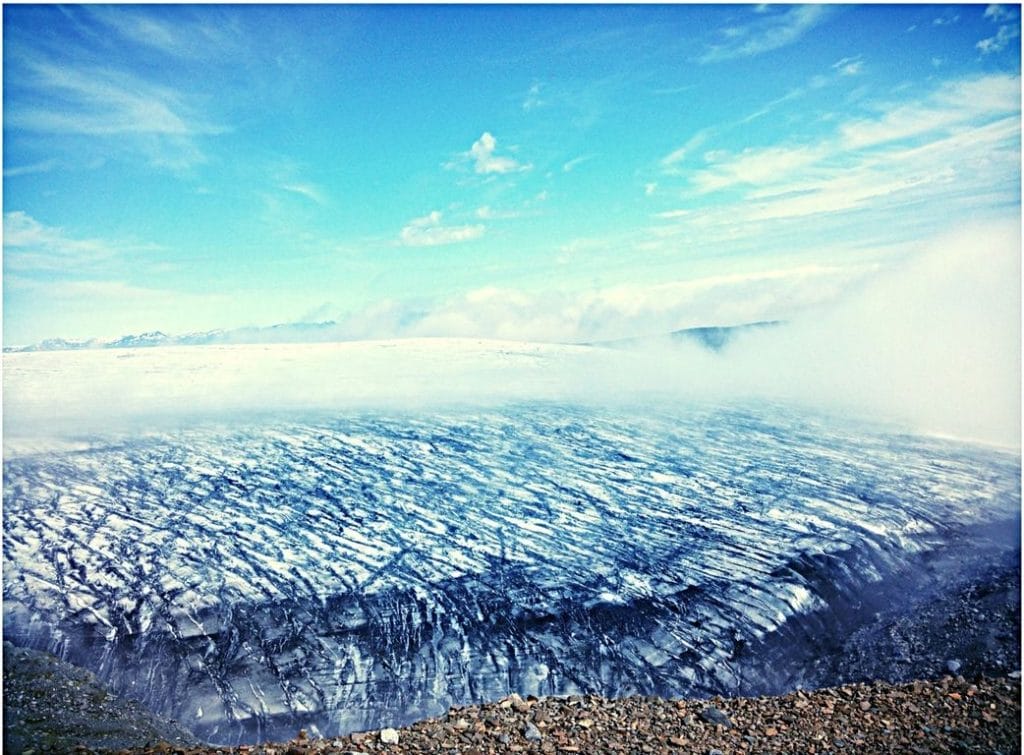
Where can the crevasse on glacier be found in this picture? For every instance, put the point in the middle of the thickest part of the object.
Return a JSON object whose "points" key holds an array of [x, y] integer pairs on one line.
{"points": [[348, 572]]}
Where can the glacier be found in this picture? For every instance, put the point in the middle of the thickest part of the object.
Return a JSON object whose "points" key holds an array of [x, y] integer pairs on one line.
{"points": [[349, 564]]}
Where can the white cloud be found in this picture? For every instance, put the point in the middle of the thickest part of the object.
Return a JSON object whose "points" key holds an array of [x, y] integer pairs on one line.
{"points": [[997, 13], [188, 37], [43, 166], [634, 310], [650, 189], [947, 19], [849, 66], [307, 190], [1004, 34], [954, 107], [486, 162], [481, 156], [755, 167], [680, 153], [31, 245], [104, 102], [533, 99], [428, 231], [567, 167], [767, 33], [955, 104], [100, 101], [916, 165], [486, 212]]}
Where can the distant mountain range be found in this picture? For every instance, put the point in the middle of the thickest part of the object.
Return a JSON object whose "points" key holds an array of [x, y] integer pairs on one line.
{"points": [[713, 338], [303, 332]]}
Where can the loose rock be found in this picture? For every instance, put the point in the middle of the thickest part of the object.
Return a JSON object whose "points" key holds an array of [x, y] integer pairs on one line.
{"points": [[713, 715], [532, 733]]}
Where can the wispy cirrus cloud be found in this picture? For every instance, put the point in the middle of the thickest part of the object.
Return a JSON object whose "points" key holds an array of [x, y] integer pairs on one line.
{"points": [[30, 245], [107, 103], [680, 153], [955, 148], [954, 107], [104, 102], [571, 164], [189, 37], [948, 18], [43, 166], [429, 231], [121, 81], [310, 191], [769, 31], [753, 166], [849, 66], [955, 104], [486, 212]]}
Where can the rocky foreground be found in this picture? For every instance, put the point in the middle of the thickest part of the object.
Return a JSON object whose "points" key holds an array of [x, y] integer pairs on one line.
{"points": [[949, 715], [971, 629]]}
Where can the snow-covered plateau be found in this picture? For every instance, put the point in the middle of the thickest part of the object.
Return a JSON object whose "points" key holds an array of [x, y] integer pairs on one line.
{"points": [[254, 539]]}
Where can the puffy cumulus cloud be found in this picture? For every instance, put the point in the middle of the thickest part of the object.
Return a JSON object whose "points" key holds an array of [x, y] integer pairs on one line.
{"points": [[997, 13], [1006, 33], [428, 231], [484, 160], [1003, 36]]}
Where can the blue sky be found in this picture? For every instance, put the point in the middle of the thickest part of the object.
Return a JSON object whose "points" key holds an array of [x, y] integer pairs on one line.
{"points": [[540, 172]]}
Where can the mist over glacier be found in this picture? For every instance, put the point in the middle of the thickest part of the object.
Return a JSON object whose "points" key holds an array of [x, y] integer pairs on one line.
{"points": [[932, 344]]}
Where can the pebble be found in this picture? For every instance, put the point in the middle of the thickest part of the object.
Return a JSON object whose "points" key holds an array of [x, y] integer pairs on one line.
{"points": [[713, 715], [922, 717], [953, 665]]}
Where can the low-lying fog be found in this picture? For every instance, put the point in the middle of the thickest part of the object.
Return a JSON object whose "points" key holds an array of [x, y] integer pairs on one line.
{"points": [[933, 345]]}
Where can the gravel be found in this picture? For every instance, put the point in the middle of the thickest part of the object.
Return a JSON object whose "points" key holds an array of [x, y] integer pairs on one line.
{"points": [[52, 706], [949, 715]]}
